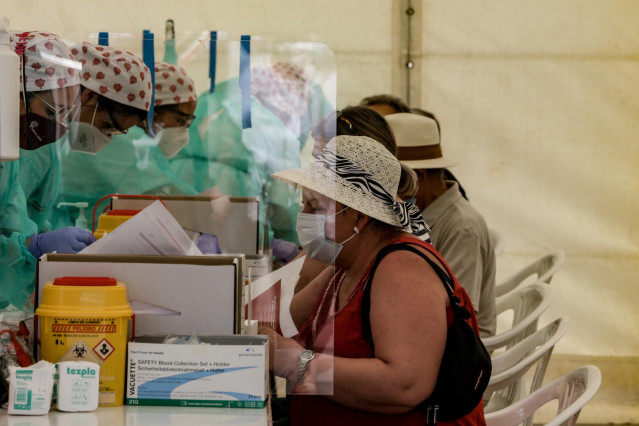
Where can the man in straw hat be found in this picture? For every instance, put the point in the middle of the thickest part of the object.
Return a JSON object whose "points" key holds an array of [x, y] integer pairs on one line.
{"points": [[458, 231], [388, 104], [350, 214]]}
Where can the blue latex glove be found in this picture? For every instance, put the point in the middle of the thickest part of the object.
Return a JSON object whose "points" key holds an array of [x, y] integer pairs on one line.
{"points": [[65, 240], [284, 251], [208, 244]]}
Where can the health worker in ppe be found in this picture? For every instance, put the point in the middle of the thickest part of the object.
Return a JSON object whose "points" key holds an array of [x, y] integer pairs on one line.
{"points": [[49, 96], [175, 102], [135, 162], [224, 152], [115, 96]]}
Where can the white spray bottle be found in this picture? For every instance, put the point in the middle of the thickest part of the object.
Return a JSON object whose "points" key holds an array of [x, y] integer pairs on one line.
{"points": [[9, 96], [81, 221]]}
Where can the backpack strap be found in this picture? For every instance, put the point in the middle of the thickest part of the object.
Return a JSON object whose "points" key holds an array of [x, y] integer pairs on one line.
{"points": [[449, 285]]}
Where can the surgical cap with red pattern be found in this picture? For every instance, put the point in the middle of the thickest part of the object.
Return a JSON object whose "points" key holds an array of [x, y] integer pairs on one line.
{"points": [[172, 85], [48, 61], [285, 89], [115, 74]]}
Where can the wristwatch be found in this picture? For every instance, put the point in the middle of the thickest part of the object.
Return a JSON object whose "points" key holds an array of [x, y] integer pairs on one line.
{"points": [[305, 357]]}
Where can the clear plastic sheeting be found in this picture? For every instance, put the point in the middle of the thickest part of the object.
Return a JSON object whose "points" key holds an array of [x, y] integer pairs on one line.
{"points": [[258, 102], [220, 152]]}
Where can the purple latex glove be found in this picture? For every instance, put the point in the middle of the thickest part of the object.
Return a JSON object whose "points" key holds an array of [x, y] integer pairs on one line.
{"points": [[65, 240], [284, 251], [208, 244]]}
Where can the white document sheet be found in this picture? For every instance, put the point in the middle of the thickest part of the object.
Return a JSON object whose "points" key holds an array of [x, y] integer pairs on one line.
{"points": [[153, 231], [272, 294]]}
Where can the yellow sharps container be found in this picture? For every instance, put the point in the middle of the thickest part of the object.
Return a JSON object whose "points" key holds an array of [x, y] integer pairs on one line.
{"points": [[87, 319]]}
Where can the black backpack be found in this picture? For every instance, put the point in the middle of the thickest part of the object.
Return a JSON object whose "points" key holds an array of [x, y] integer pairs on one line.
{"points": [[466, 366]]}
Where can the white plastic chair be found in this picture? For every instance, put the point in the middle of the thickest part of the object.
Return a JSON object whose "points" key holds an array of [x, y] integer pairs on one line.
{"points": [[497, 240], [572, 392], [507, 381], [527, 304], [541, 270]]}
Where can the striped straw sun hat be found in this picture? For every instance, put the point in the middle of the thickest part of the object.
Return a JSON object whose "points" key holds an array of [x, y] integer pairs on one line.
{"points": [[360, 173]]}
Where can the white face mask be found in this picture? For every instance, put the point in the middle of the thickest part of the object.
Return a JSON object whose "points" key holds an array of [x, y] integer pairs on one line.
{"points": [[310, 231], [87, 138], [172, 140]]}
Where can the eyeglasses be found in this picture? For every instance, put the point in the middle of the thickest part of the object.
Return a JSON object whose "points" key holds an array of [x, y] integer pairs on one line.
{"points": [[114, 128], [184, 120]]}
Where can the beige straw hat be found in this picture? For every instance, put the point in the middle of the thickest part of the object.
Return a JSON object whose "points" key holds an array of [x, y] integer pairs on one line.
{"points": [[418, 144]]}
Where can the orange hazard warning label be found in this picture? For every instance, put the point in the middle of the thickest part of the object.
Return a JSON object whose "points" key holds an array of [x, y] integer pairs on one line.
{"points": [[83, 328], [103, 349]]}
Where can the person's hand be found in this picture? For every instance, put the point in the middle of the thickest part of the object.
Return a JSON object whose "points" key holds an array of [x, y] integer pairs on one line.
{"points": [[208, 244], [65, 240], [284, 251], [272, 337], [283, 352]]}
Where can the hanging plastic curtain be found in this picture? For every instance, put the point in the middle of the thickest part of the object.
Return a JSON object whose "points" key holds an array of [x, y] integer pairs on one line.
{"points": [[222, 150]]}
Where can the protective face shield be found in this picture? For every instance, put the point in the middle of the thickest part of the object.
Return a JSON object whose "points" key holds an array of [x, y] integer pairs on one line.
{"points": [[86, 137], [311, 234], [173, 139], [49, 85]]}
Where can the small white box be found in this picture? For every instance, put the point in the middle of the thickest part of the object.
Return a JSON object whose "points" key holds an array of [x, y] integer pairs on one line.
{"points": [[229, 371], [30, 389], [78, 386]]}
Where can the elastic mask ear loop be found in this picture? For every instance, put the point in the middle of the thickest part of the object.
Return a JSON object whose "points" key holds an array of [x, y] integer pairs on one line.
{"points": [[75, 112], [77, 105], [97, 102], [24, 87], [356, 233], [20, 49], [333, 215], [157, 126]]}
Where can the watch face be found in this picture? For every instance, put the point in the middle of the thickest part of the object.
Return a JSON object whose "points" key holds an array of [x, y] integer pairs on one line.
{"points": [[307, 355]]}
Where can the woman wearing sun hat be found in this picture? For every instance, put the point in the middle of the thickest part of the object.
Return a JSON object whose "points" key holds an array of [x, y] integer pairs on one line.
{"points": [[352, 188]]}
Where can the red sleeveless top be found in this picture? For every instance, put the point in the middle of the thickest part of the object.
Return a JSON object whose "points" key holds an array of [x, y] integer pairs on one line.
{"points": [[341, 334]]}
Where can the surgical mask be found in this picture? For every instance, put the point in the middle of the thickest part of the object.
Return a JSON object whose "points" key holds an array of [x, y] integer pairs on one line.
{"points": [[39, 131], [172, 140], [311, 234], [87, 138]]}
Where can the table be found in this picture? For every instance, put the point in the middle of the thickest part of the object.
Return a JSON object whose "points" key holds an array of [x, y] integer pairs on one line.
{"points": [[135, 415]]}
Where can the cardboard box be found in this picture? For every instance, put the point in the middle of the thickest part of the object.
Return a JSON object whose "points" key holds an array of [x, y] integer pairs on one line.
{"points": [[180, 294], [238, 232], [230, 371]]}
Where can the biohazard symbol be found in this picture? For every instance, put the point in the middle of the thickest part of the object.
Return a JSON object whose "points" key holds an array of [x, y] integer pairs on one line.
{"points": [[79, 351]]}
